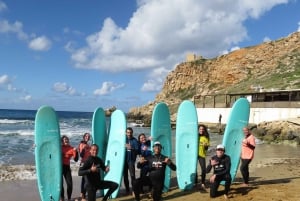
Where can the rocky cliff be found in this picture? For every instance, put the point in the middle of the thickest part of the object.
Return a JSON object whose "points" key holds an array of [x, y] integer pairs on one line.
{"points": [[274, 64]]}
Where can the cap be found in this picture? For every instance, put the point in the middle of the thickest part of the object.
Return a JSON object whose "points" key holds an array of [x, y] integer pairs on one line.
{"points": [[157, 143], [220, 146]]}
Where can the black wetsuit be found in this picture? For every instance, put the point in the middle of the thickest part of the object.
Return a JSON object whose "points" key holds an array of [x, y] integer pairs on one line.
{"points": [[156, 177], [93, 179], [222, 172], [129, 164]]}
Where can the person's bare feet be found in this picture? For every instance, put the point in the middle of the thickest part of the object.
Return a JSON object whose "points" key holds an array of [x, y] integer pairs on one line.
{"points": [[226, 197], [245, 185]]}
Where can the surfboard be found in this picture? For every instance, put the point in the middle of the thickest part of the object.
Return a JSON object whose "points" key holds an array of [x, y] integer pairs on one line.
{"points": [[99, 134], [161, 131], [48, 155], [115, 153], [233, 134], [186, 145]]}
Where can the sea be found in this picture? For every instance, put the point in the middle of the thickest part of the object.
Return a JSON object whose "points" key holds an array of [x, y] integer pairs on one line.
{"points": [[17, 139]]}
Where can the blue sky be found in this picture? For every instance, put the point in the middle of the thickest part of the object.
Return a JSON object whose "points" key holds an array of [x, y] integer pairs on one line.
{"points": [[80, 55]]}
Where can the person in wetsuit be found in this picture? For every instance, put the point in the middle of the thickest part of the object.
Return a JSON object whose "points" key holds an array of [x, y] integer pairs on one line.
{"points": [[84, 152], [220, 163], [203, 144], [91, 171], [157, 165], [131, 152], [68, 152]]}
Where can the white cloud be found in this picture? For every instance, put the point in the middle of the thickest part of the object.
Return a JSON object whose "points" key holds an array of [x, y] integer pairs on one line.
{"points": [[2, 6], [161, 32], [6, 83], [234, 48], [154, 32], [62, 87], [41, 43], [107, 88], [67, 30], [4, 80], [155, 81], [266, 39], [16, 28], [26, 98]]}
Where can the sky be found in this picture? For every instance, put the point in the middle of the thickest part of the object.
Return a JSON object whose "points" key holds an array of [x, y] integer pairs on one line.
{"points": [[80, 55]]}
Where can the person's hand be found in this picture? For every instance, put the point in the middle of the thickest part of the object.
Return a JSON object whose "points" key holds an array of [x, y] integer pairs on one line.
{"points": [[128, 146], [212, 178], [74, 149], [94, 168], [167, 161], [107, 169], [214, 162], [142, 160]]}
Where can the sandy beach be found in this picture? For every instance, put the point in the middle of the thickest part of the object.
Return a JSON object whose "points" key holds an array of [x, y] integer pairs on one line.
{"points": [[274, 175]]}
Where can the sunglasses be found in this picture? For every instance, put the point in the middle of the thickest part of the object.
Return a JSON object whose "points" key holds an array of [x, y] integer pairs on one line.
{"points": [[220, 149]]}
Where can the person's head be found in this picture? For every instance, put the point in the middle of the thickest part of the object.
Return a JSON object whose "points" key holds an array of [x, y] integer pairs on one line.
{"points": [[94, 150], [86, 137], [220, 150], [157, 147], [129, 132], [246, 131], [142, 138], [64, 140], [202, 130]]}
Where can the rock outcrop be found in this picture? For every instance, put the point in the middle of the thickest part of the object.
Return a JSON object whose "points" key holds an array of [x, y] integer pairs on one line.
{"points": [[274, 64]]}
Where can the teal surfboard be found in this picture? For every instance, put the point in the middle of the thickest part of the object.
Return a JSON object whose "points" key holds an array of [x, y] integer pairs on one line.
{"points": [[161, 131], [99, 134], [186, 145], [115, 153], [233, 134], [48, 155]]}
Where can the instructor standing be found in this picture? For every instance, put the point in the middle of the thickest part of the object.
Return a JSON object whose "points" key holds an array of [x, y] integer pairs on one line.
{"points": [[248, 146]]}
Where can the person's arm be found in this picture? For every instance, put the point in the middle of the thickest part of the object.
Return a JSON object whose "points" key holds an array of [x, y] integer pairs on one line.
{"points": [[141, 163], [102, 165], [172, 165], [85, 169], [251, 142], [209, 166], [75, 154]]}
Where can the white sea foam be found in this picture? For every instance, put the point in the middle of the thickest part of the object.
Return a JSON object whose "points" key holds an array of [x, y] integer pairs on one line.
{"points": [[17, 172], [13, 121]]}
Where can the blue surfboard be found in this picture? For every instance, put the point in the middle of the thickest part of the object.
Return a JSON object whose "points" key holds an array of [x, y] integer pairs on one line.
{"points": [[161, 131], [233, 134], [186, 145], [48, 154], [115, 153], [99, 134]]}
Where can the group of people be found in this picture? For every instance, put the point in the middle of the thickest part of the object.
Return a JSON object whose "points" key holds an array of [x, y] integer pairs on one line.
{"points": [[90, 165], [221, 162], [152, 165]]}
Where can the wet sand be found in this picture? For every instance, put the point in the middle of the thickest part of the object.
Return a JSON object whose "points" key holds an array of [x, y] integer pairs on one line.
{"points": [[274, 175]]}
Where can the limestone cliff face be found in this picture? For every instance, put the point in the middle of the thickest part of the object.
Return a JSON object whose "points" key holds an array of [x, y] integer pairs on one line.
{"points": [[233, 72]]}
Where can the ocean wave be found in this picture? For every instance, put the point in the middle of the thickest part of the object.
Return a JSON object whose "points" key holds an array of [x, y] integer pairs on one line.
{"points": [[15, 121], [17, 172], [9, 133], [25, 172]]}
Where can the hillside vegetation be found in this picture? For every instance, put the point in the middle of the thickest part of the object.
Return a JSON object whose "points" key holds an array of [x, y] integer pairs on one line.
{"points": [[270, 65]]}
